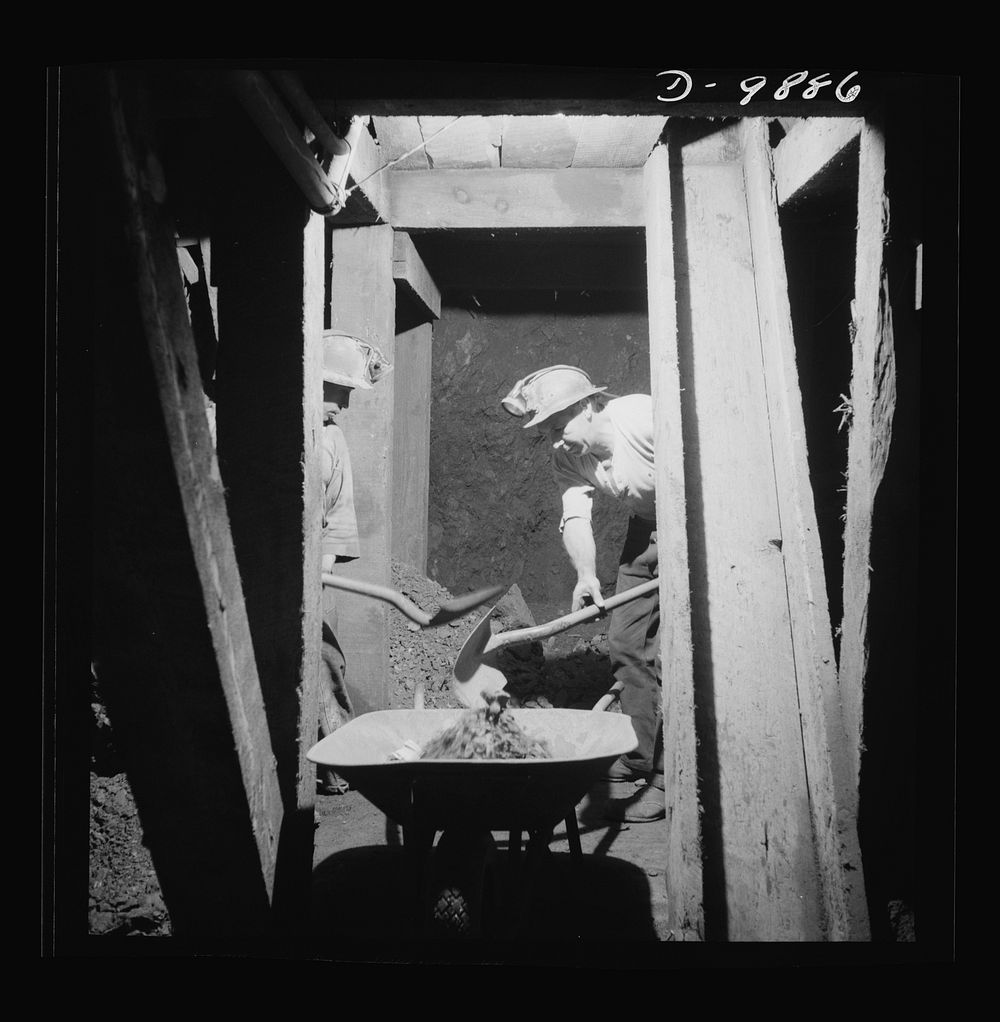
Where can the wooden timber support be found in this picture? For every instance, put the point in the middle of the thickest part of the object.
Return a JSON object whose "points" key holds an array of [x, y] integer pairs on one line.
{"points": [[173, 650], [812, 147], [777, 802], [684, 853], [872, 402], [500, 199], [415, 288], [268, 267], [833, 790], [363, 303]]}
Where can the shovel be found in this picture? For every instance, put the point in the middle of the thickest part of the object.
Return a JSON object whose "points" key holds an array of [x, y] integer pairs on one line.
{"points": [[473, 675], [448, 611]]}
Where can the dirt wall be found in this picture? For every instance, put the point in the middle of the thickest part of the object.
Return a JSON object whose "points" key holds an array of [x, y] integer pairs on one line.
{"points": [[494, 508]]}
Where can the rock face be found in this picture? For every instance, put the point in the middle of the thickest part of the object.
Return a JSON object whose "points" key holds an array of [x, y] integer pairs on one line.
{"points": [[494, 508], [125, 895]]}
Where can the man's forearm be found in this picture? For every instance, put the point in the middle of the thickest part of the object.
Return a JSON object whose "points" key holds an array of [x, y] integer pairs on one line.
{"points": [[578, 539]]}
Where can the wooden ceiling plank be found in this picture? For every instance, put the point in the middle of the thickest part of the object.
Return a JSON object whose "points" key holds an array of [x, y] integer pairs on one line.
{"points": [[465, 143], [539, 142], [398, 135], [616, 141]]}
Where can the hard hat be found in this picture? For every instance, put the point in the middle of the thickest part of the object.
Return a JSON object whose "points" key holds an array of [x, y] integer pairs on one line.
{"points": [[549, 391], [351, 362]]}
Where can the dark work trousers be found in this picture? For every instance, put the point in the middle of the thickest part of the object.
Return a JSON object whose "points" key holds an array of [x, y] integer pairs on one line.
{"points": [[334, 704], [634, 646]]}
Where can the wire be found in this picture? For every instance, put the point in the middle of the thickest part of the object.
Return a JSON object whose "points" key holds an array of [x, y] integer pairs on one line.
{"points": [[403, 157]]}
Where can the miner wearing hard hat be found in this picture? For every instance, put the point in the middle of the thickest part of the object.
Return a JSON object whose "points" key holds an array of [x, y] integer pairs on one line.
{"points": [[603, 443], [349, 363]]}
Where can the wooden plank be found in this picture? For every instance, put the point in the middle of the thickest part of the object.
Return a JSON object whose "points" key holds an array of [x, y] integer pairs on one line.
{"points": [[872, 403], [452, 199], [616, 141], [539, 142], [174, 648], [368, 203], [409, 272], [812, 145], [411, 451], [268, 257], [363, 302], [832, 793], [760, 877], [398, 135], [683, 872], [468, 142]]}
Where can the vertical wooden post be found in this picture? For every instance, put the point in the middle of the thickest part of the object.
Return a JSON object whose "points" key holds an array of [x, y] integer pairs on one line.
{"points": [[832, 787], [172, 642], [683, 866], [411, 454], [268, 266], [759, 856], [363, 302], [873, 399]]}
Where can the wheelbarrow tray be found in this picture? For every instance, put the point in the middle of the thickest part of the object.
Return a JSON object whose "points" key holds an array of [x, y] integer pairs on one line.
{"points": [[512, 794]]}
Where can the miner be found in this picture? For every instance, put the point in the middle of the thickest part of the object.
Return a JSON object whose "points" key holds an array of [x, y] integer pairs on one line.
{"points": [[602, 443], [349, 363]]}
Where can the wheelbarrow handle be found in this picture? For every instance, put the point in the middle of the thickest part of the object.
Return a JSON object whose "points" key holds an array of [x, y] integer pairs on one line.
{"points": [[613, 694], [560, 624], [397, 599]]}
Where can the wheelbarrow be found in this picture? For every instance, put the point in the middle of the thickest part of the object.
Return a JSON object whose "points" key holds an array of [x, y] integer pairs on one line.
{"points": [[467, 800]]}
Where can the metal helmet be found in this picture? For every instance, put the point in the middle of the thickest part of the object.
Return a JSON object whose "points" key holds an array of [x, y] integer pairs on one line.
{"points": [[351, 362], [549, 391]]}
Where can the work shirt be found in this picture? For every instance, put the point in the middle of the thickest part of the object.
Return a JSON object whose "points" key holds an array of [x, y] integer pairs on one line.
{"points": [[340, 524], [628, 474]]}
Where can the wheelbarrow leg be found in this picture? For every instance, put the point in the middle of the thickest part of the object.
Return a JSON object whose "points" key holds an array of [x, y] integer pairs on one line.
{"points": [[525, 879], [418, 841], [573, 836]]}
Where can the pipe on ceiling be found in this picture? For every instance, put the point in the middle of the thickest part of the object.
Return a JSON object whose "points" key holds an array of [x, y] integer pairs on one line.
{"points": [[292, 88], [324, 193]]}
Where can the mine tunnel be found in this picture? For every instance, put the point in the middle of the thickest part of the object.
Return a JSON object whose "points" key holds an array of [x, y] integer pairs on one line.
{"points": [[739, 267]]}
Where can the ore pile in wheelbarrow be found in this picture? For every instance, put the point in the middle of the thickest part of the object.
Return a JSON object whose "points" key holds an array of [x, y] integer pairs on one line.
{"points": [[465, 800]]}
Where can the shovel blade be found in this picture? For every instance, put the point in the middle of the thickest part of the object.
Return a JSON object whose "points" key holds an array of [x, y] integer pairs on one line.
{"points": [[471, 677], [484, 681]]}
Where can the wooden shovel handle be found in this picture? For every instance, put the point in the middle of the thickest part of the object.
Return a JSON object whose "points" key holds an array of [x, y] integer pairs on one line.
{"points": [[397, 599], [560, 624]]}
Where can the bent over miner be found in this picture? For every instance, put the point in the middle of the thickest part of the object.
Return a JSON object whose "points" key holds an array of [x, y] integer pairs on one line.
{"points": [[604, 443]]}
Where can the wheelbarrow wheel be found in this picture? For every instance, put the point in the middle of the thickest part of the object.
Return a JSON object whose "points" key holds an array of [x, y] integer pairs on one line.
{"points": [[461, 890]]}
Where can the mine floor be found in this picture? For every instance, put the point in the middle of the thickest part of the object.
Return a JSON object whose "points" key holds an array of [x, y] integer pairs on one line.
{"points": [[363, 893]]}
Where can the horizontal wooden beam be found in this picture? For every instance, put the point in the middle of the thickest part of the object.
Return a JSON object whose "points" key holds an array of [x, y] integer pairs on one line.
{"points": [[426, 200], [810, 147], [410, 273]]}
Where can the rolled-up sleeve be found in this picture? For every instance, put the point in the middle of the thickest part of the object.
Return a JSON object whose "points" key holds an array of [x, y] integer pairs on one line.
{"points": [[577, 492]]}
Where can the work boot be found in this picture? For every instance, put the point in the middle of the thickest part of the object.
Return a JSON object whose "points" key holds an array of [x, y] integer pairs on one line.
{"points": [[622, 771], [329, 782], [646, 806]]}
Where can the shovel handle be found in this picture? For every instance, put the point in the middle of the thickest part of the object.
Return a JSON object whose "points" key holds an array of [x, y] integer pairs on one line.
{"points": [[397, 599], [560, 624]]}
